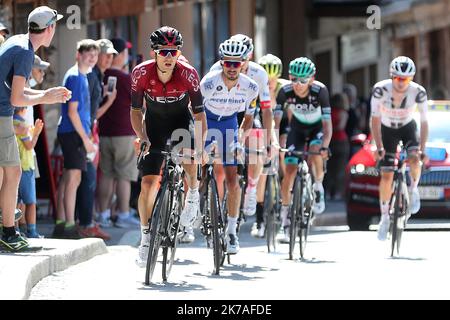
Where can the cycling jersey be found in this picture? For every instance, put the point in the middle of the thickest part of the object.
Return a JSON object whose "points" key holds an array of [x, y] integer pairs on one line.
{"points": [[163, 99], [257, 74], [222, 106], [398, 116], [167, 107], [308, 111], [219, 102]]}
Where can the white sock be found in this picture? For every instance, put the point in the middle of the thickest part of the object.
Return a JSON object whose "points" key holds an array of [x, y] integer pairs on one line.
{"points": [[145, 235], [252, 183], [284, 216], [124, 215], [384, 208], [318, 186], [231, 227], [106, 214]]}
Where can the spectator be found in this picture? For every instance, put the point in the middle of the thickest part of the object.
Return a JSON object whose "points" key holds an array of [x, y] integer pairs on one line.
{"points": [[74, 132], [27, 187], [16, 61], [356, 114], [86, 190], [2, 39], [117, 159], [37, 77], [4, 31], [339, 146]]}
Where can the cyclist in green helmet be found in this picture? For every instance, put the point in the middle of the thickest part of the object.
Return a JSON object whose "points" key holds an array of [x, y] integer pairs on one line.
{"points": [[273, 66], [307, 104]]}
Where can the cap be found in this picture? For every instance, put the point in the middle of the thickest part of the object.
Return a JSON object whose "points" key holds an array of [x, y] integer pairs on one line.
{"points": [[42, 17], [39, 64], [106, 46], [4, 28], [120, 44]]}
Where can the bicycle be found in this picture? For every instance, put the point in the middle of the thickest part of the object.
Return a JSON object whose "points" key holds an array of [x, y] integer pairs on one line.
{"points": [[302, 201], [399, 204], [213, 224], [165, 220], [272, 206]]}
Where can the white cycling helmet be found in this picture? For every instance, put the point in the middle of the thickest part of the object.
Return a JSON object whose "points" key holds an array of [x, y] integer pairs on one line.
{"points": [[232, 49], [402, 66], [246, 40]]}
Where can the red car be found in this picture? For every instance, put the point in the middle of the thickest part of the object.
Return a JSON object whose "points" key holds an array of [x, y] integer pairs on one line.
{"points": [[362, 178]]}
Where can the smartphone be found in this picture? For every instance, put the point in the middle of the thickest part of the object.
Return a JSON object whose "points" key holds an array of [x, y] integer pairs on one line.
{"points": [[112, 81]]}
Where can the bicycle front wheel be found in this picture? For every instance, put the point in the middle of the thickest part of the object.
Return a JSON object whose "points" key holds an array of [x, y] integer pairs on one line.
{"points": [[214, 212], [305, 217], [156, 231], [173, 233], [396, 232], [294, 214]]}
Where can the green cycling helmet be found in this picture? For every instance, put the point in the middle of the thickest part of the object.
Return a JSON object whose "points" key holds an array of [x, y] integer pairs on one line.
{"points": [[272, 64], [302, 68]]}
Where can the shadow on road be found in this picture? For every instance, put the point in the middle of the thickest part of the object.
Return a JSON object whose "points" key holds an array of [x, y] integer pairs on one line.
{"points": [[172, 287], [407, 258]]}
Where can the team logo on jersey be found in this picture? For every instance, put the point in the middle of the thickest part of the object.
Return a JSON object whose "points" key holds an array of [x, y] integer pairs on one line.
{"points": [[191, 78], [253, 87], [219, 88], [377, 92], [208, 85], [302, 107], [421, 97]]}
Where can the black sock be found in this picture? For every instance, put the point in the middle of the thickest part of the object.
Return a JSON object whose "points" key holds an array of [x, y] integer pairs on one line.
{"points": [[9, 231], [259, 212]]}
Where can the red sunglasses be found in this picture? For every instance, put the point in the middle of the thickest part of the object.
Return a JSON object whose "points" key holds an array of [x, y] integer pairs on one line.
{"points": [[167, 52], [232, 64], [401, 79]]}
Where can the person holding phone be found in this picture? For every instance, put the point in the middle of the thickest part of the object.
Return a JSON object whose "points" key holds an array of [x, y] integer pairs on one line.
{"points": [[116, 143]]}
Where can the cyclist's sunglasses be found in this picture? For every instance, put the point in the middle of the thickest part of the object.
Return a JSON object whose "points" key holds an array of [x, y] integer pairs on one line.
{"points": [[402, 79], [166, 52], [300, 80], [232, 64]]}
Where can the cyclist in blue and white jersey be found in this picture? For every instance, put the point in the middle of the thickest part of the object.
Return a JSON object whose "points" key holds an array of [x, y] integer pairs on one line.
{"points": [[259, 138], [393, 104], [225, 93]]}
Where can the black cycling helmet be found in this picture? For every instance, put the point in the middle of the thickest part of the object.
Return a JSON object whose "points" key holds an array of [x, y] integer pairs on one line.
{"points": [[166, 36]]}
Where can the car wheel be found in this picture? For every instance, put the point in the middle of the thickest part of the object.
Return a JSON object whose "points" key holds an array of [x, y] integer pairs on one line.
{"points": [[358, 222]]}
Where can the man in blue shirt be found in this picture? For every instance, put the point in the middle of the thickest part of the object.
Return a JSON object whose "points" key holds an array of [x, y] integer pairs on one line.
{"points": [[74, 135], [16, 61]]}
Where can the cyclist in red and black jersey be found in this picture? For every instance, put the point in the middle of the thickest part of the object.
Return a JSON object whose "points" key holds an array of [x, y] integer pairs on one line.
{"points": [[168, 87]]}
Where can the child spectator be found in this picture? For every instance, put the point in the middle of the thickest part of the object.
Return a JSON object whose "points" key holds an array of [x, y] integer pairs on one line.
{"points": [[27, 137]]}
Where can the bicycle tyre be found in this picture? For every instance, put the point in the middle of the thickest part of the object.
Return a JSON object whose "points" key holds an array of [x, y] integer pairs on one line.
{"points": [[214, 211], [173, 233], [156, 229], [304, 222], [295, 207], [270, 218], [395, 218]]}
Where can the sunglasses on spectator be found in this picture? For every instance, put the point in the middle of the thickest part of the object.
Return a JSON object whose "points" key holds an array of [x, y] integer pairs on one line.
{"points": [[166, 52], [402, 79], [232, 64], [300, 80]]}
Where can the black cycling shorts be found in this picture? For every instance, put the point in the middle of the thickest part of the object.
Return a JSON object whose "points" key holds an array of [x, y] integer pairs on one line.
{"points": [[299, 135], [391, 137], [159, 131]]}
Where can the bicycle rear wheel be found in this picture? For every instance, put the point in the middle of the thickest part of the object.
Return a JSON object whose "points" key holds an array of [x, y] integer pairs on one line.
{"points": [[294, 214], [173, 233], [156, 231], [270, 216]]}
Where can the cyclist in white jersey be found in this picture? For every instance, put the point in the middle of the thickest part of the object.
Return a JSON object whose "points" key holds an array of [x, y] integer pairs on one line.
{"points": [[259, 139], [225, 93], [393, 104]]}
